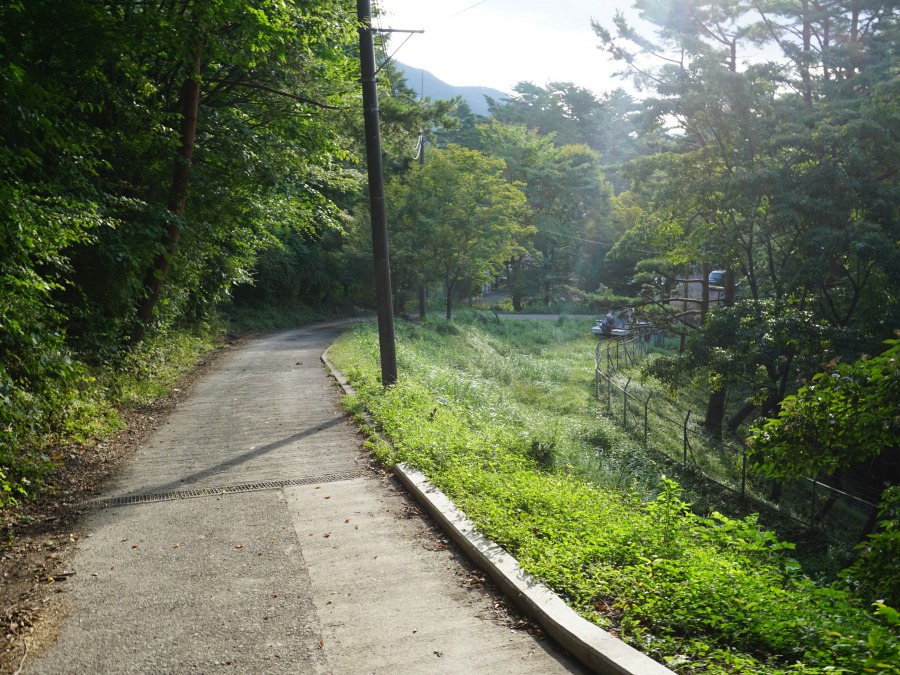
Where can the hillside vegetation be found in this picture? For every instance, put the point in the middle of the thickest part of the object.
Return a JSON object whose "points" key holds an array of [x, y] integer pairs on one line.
{"points": [[501, 417]]}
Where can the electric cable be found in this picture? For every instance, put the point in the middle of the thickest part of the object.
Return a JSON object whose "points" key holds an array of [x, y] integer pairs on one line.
{"points": [[384, 55], [589, 241], [463, 11]]}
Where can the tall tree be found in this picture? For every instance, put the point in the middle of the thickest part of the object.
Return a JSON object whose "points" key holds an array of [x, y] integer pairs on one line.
{"points": [[456, 218], [770, 184], [567, 199]]}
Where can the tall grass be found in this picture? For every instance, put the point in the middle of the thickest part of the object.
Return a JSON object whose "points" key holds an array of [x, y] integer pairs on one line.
{"points": [[501, 417]]}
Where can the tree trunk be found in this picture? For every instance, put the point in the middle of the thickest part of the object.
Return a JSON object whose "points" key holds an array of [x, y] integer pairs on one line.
{"points": [[704, 292], [515, 284], [450, 286], [738, 418], [155, 278], [807, 54], [715, 408], [715, 411]]}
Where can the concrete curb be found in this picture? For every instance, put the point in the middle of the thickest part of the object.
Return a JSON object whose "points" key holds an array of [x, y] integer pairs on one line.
{"points": [[587, 642]]}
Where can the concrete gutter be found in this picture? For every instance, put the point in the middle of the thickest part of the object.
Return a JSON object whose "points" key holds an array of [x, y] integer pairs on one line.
{"points": [[587, 642]]}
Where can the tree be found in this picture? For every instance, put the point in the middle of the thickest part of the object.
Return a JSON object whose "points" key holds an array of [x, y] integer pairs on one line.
{"points": [[455, 218], [148, 149], [571, 115], [771, 173], [567, 200], [845, 415]]}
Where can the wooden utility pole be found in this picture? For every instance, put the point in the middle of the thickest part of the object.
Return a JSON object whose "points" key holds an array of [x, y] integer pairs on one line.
{"points": [[372, 120], [423, 291]]}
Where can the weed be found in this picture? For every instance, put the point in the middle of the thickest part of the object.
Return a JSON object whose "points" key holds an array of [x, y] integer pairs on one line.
{"points": [[496, 415]]}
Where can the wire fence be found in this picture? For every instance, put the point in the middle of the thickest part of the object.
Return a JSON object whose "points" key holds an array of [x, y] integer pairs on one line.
{"points": [[661, 423]]}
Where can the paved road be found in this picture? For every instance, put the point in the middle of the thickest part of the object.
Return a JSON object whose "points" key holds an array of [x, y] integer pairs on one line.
{"points": [[248, 535]]}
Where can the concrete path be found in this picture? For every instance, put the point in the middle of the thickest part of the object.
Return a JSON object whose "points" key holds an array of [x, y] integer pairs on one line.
{"points": [[248, 535]]}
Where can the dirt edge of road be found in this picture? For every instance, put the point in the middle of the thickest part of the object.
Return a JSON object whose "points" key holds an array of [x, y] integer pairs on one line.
{"points": [[39, 536]]}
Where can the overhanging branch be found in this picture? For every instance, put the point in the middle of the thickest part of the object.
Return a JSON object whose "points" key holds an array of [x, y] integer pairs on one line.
{"points": [[277, 92]]}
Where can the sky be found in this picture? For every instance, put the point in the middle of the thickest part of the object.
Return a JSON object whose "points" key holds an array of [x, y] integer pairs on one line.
{"points": [[498, 43]]}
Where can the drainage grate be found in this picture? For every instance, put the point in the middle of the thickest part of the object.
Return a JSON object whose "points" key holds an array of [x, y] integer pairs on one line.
{"points": [[222, 490]]}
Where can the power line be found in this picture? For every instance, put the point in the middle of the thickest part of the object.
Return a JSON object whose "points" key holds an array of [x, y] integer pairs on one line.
{"points": [[588, 241], [481, 2]]}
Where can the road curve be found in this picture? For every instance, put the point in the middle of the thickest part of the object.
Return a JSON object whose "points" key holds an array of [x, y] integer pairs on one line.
{"points": [[249, 534]]}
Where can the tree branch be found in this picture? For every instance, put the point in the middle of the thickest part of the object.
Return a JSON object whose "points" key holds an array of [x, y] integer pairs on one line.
{"points": [[277, 92]]}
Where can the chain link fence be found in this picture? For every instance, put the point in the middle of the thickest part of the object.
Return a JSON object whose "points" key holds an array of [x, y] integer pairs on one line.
{"points": [[661, 423]]}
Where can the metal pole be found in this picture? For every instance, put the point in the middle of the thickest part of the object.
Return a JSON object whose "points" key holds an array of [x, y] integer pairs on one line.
{"points": [[625, 406], [646, 417], [383, 302], [744, 472], [812, 506], [686, 419]]}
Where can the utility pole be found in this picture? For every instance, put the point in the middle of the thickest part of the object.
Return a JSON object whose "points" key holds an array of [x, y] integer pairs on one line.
{"points": [[372, 120], [423, 291]]}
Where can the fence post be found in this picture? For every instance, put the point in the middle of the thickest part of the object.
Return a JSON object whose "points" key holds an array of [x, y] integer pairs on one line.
{"points": [[646, 414], [625, 406], [688, 417], [743, 471], [812, 506]]}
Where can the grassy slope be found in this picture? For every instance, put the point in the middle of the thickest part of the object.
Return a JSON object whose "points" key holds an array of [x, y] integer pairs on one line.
{"points": [[500, 416]]}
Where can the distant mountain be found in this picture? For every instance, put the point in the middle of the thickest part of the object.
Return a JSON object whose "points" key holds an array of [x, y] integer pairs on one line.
{"points": [[426, 84]]}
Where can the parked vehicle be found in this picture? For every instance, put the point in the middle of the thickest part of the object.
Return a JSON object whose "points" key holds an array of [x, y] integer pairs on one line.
{"points": [[607, 327]]}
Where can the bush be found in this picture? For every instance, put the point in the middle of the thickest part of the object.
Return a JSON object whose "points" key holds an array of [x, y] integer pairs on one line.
{"points": [[493, 417], [874, 575]]}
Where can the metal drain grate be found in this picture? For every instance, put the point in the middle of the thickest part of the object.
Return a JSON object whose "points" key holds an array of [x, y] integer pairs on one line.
{"points": [[222, 490]]}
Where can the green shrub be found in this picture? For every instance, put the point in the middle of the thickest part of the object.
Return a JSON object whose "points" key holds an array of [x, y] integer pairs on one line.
{"points": [[875, 574], [497, 415]]}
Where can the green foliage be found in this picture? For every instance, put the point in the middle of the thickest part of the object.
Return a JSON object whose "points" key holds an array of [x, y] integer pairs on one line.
{"points": [[91, 124], [152, 370], [780, 171], [874, 574], [842, 417], [456, 219], [481, 409], [568, 210]]}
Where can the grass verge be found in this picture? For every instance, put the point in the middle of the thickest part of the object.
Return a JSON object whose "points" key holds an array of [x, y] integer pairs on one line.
{"points": [[500, 417]]}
